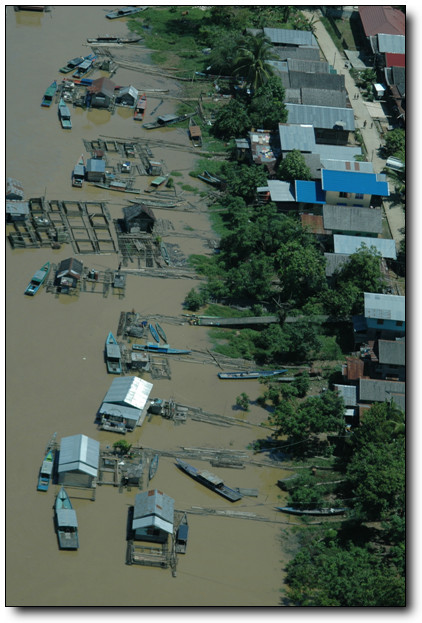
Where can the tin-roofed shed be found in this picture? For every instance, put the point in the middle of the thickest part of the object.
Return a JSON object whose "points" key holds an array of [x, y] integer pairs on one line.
{"points": [[95, 170], [14, 190], [153, 516], [127, 96], [352, 244], [126, 401], [284, 36], [78, 461], [17, 211]]}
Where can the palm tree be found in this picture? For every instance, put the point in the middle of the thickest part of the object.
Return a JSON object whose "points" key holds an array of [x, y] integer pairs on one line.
{"points": [[251, 62]]}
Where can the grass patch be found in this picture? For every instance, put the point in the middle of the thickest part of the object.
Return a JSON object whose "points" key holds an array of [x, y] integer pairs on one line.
{"points": [[237, 344], [213, 309]]}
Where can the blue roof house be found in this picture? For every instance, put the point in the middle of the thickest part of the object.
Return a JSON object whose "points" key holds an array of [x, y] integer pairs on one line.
{"points": [[353, 188]]}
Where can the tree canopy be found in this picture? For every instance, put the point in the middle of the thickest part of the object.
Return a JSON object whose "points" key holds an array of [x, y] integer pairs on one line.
{"points": [[293, 167], [251, 63]]}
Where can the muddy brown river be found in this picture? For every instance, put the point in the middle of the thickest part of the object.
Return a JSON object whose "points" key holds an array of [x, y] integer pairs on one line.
{"points": [[55, 377]]}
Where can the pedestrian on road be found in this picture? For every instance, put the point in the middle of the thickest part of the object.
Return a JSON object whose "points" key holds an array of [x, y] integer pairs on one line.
{"points": [[364, 124]]}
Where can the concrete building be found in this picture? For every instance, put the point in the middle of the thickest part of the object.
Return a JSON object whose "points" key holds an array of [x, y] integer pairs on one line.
{"points": [[78, 461]]}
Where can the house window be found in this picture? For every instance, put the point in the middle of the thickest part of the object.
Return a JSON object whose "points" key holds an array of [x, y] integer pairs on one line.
{"points": [[344, 195], [399, 323], [380, 321], [358, 196]]}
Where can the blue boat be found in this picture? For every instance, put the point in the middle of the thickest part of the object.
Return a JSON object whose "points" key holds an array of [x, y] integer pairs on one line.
{"points": [[37, 280], [160, 348], [113, 355], [316, 511], [154, 333], [66, 521], [85, 67], [64, 116], [256, 374], [72, 64], [46, 471], [49, 94], [124, 11]]}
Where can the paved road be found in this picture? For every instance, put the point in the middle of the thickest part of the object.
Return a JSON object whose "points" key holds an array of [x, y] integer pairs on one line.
{"points": [[392, 207]]}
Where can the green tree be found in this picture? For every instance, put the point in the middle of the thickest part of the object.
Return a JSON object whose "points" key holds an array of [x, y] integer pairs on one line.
{"points": [[301, 270], [293, 167], [251, 63], [194, 300], [267, 108], [243, 180], [232, 120], [395, 143], [242, 401], [122, 446]]}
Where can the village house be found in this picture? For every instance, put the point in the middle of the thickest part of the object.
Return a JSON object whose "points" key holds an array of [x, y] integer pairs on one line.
{"points": [[352, 188], [375, 390], [101, 93], [309, 96], [14, 190], [127, 96], [331, 124], [285, 52], [346, 245], [78, 461], [297, 74], [352, 221], [302, 137], [291, 38], [138, 218], [68, 275], [17, 211], [153, 516], [124, 405], [95, 170], [383, 318], [389, 360]]}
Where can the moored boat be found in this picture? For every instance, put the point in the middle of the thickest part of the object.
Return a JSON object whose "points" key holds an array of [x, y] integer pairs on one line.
{"points": [[113, 355], [124, 11], [64, 115], [140, 108], [206, 478], [160, 332], [182, 536], [165, 120], [160, 348], [153, 466], [256, 374], [118, 186], [85, 67], [72, 64], [105, 39], [154, 333], [46, 472], [66, 522], [195, 133], [78, 174], [49, 94], [316, 511], [37, 280]]}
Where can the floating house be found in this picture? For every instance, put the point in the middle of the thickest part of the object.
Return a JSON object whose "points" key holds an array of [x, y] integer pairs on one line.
{"points": [[78, 461], [101, 93], [95, 170], [138, 218], [125, 404], [14, 190], [127, 96], [17, 211], [153, 516], [68, 275]]}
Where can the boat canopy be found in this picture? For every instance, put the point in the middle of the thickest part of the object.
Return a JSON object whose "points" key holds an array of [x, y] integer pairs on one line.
{"points": [[66, 518]]}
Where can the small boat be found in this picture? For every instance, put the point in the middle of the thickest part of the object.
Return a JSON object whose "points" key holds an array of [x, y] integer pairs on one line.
{"points": [[165, 120], [206, 478], [49, 94], [195, 133], [64, 115], [125, 11], [157, 182], [85, 67], [160, 332], [154, 333], [212, 179], [105, 39], [78, 174], [37, 280], [153, 466], [113, 355], [140, 108], [320, 511], [160, 348], [182, 536], [46, 471], [66, 521], [118, 186], [257, 374], [71, 65]]}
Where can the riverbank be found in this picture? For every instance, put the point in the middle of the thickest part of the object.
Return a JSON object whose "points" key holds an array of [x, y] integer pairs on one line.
{"points": [[56, 377]]}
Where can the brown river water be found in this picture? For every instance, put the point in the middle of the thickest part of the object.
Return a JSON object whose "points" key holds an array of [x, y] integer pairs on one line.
{"points": [[55, 376]]}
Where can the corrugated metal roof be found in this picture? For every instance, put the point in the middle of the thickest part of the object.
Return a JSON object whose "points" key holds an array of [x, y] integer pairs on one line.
{"points": [[129, 391], [66, 517], [392, 352], [79, 452], [153, 508], [130, 90], [395, 60], [14, 187], [382, 19], [352, 244], [379, 391], [299, 79], [321, 97], [281, 191], [339, 152], [386, 306], [118, 411], [394, 44], [309, 192], [300, 137], [354, 182], [302, 52], [314, 67], [347, 165], [354, 368], [95, 164], [17, 207], [313, 222], [335, 261], [345, 218], [348, 393], [291, 37], [325, 117]]}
